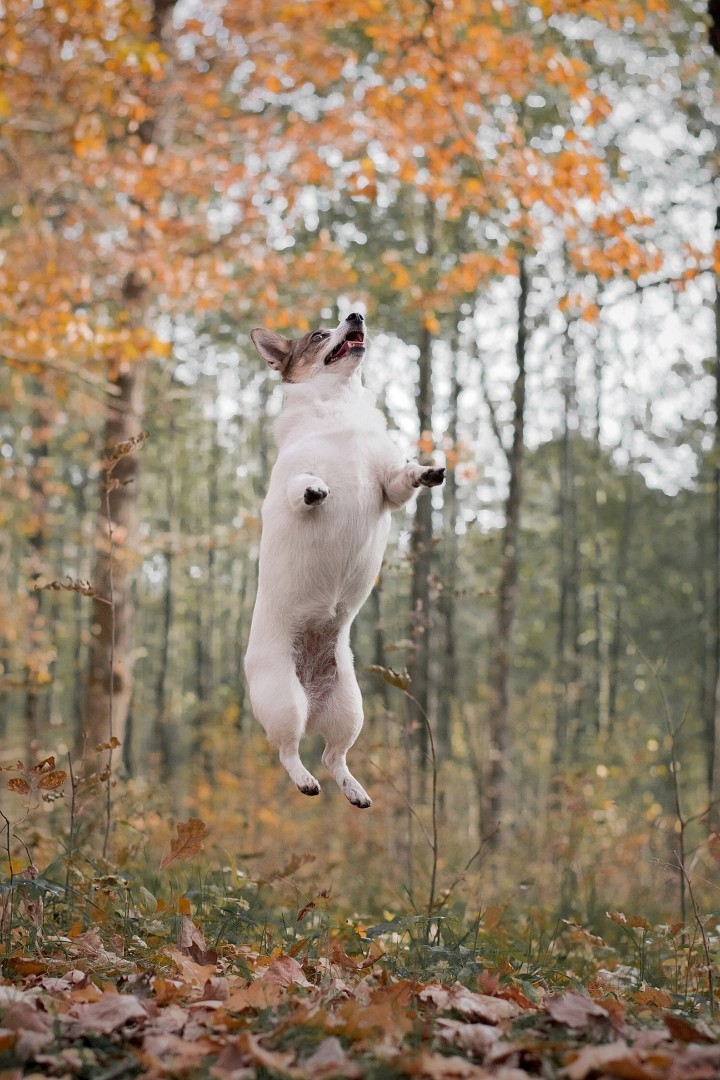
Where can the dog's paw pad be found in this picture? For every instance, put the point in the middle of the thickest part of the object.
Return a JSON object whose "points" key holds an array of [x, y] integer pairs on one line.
{"points": [[357, 795], [362, 802], [432, 477], [315, 495], [311, 787]]}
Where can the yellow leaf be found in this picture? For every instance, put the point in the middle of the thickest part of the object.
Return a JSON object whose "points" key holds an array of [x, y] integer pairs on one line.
{"points": [[400, 679]]}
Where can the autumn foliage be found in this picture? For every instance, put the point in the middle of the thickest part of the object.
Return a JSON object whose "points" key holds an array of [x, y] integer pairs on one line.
{"points": [[520, 197]]}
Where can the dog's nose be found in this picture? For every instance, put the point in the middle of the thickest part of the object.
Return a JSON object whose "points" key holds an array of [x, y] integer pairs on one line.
{"points": [[355, 316]]}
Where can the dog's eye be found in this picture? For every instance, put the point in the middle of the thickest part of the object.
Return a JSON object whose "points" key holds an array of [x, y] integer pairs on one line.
{"points": [[319, 335]]}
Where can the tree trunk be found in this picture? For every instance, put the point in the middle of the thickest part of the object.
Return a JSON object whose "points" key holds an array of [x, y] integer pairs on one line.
{"points": [[447, 682], [620, 577], [567, 678], [499, 673], [109, 680], [421, 562], [163, 740], [36, 695], [713, 715]]}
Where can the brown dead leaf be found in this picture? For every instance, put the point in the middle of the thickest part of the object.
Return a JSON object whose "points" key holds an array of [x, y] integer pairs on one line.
{"points": [[330, 1061], [169, 1055], [389, 1013], [52, 780], [194, 974], [398, 679], [637, 922], [190, 836], [472, 1006], [251, 1051], [350, 963], [475, 1038], [34, 1029], [258, 995], [24, 965], [683, 1031], [19, 786], [191, 941], [696, 1063], [286, 972], [108, 1014], [652, 996], [574, 1010], [436, 1066], [618, 1060]]}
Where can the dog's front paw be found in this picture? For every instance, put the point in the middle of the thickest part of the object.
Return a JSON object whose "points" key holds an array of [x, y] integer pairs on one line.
{"points": [[432, 477], [356, 793], [316, 494], [310, 786]]}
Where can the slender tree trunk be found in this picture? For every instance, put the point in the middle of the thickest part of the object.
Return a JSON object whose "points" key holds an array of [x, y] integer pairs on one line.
{"points": [[616, 638], [378, 629], [597, 683], [421, 562], [36, 695], [567, 679], [163, 736], [109, 680], [713, 715], [500, 662], [447, 681]]}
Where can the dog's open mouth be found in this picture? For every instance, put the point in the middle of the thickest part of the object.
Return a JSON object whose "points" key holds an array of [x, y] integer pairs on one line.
{"points": [[354, 340]]}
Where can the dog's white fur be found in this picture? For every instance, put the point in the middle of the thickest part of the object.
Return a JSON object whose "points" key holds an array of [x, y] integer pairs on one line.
{"points": [[325, 524]]}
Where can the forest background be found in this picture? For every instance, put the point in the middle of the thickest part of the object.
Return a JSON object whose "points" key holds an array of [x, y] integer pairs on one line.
{"points": [[520, 197]]}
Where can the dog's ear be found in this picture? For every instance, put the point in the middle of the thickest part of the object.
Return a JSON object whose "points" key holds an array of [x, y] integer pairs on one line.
{"points": [[274, 348]]}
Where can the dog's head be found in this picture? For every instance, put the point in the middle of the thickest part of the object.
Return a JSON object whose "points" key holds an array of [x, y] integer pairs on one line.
{"points": [[339, 351]]}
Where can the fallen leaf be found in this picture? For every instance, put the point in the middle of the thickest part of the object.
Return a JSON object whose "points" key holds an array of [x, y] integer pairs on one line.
{"points": [[330, 1060], [349, 963], [189, 842], [472, 1006], [683, 1031], [286, 972], [475, 1038], [191, 940], [652, 996], [574, 1010], [108, 1014], [278, 1061], [618, 1060], [34, 1029], [258, 995], [194, 974], [438, 1067], [696, 1063], [167, 1054]]}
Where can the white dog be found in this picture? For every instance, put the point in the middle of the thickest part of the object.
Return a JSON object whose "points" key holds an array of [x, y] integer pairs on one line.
{"points": [[325, 523]]}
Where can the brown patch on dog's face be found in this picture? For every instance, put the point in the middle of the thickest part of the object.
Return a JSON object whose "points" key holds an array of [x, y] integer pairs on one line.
{"points": [[340, 350]]}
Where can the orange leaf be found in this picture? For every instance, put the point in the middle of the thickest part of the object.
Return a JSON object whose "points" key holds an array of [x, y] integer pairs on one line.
{"points": [[44, 766], [19, 785], [189, 841], [50, 781]]}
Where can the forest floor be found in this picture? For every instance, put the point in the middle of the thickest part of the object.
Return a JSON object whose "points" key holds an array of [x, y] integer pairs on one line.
{"points": [[350, 1003]]}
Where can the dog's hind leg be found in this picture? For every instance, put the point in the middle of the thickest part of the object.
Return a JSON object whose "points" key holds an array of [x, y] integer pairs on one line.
{"points": [[340, 722], [280, 704]]}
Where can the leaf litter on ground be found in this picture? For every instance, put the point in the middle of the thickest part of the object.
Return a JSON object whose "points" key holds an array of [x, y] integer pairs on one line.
{"points": [[237, 1013]]}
